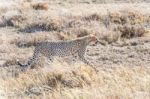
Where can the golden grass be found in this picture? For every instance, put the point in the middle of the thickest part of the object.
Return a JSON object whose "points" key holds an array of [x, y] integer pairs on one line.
{"points": [[40, 6], [80, 82]]}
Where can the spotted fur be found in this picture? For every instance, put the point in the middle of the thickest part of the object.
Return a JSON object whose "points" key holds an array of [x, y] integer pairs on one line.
{"points": [[61, 49]]}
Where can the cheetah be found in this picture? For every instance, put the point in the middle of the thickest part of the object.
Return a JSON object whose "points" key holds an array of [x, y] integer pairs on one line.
{"points": [[76, 47]]}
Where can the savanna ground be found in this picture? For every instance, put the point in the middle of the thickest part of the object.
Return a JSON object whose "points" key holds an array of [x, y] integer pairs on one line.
{"points": [[122, 55]]}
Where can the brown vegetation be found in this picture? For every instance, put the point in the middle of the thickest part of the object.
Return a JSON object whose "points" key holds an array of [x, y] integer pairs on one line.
{"points": [[14, 21], [40, 6], [130, 31], [126, 16]]}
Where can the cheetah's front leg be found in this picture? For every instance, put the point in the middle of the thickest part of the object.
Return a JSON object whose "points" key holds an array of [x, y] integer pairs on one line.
{"points": [[82, 58]]}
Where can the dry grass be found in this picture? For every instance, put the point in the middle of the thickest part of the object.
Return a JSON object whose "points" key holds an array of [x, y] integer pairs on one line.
{"points": [[40, 6], [128, 16], [14, 21], [33, 22], [130, 31], [80, 82]]}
